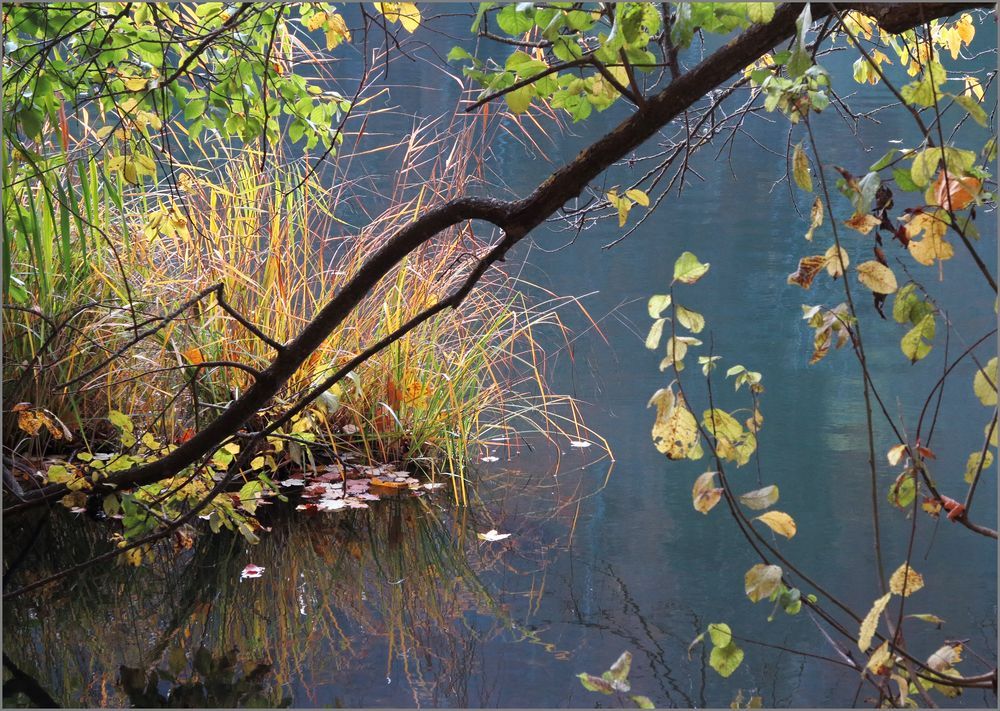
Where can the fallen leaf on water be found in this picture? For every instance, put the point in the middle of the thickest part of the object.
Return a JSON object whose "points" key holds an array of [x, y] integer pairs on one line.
{"points": [[431, 485], [490, 459], [293, 482], [492, 535], [251, 571], [579, 443]]}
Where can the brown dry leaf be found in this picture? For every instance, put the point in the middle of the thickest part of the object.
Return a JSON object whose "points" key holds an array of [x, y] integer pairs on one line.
{"points": [[863, 223], [815, 217], [809, 267]]}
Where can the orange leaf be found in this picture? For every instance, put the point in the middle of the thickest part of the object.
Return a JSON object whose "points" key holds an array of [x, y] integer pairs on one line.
{"points": [[193, 356], [809, 267], [951, 192]]}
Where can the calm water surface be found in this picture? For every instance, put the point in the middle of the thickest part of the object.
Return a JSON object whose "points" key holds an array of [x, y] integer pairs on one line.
{"points": [[403, 606]]}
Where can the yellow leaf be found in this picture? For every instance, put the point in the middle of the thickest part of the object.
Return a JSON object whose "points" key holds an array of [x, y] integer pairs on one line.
{"points": [[905, 581], [972, 464], [965, 29], [895, 454], [877, 277], [870, 623], [880, 662], [135, 83], [705, 495], [675, 431], [863, 223], [973, 88], [985, 384], [815, 217], [835, 267], [800, 169], [316, 20], [691, 320], [638, 196], [779, 522], [762, 581], [409, 16], [932, 246]]}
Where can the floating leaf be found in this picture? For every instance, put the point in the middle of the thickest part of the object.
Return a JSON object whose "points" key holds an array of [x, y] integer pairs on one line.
{"points": [[595, 683], [877, 277], [642, 702], [762, 581], [905, 581], [705, 495], [870, 623], [925, 617], [688, 270], [579, 444], [985, 383], [620, 669], [779, 522], [760, 498], [720, 634], [252, 571], [492, 535], [800, 168]]}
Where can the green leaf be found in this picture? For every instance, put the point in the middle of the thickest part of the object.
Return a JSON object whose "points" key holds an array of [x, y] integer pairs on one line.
{"points": [[885, 160], [720, 634], [520, 99], [194, 109], [760, 12], [725, 660], [972, 106], [642, 702], [513, 21], [688, 270], [912, 344], [904, 180], [457, 53], [800, 169], [120, 420]]}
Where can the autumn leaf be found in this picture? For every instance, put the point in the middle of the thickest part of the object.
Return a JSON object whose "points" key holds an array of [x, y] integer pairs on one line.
{"points": [[933, 245], [945, 657], [779, 522], [972, 465], [895, 454], [951, 192], [657, 304], [815, 217], [912, 344], [870, 623], [877, 277], [905, 581], [675, 431], [492, 535], [800, 169], [835, 267], [760, 499], [762, 581], [705, 495], [691, 320], [809, 267], [863, 223], [881, 660]]}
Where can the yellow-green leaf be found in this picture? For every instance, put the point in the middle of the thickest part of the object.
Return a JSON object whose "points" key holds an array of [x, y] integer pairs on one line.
{"points": [[972, 465], [985, 384], [877, 277], [779, 522], [657, 304], [759, 499], [688, 270], [870, 623], [725, 660], [638, 196], [760, 12], [691, 320]]}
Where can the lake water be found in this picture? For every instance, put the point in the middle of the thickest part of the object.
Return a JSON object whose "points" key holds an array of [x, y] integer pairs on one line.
{"points": [[403, 606]]}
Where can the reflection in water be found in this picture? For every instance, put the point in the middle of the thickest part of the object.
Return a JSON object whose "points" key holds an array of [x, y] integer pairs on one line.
{"points": [[369, 607]]}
